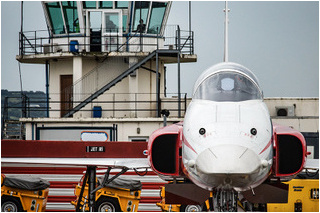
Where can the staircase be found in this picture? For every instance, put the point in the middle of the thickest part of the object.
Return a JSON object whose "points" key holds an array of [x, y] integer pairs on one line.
{"points": [[97, 81]]}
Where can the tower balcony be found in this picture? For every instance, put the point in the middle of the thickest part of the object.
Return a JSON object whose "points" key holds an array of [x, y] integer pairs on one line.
{"points": [[40, 46]]}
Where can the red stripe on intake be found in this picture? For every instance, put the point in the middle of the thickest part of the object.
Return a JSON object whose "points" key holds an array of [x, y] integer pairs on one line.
{"points": [[188, 144], [265, 148]]}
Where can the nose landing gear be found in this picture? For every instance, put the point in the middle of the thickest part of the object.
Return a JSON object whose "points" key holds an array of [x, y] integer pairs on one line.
{"points": [[224, 201]]}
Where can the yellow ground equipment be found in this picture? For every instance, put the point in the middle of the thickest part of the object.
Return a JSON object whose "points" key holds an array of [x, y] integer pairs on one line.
{"points": [[118, 195], [178, 207], [303, 197], [167, 207], [23, 194]]}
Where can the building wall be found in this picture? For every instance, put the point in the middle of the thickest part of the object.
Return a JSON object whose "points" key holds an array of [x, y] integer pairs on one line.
{"points": [[306, 113], [57, 68], [304, 121], [302, 106], [127, 127], [141, 86]]}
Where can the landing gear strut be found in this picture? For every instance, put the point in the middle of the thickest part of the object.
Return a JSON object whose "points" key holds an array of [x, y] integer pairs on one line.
{"points": [[226, 201], [90, 179]]}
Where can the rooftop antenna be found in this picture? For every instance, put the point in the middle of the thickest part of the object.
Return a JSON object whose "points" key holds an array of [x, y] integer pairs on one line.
{"points": [[226, 22]]}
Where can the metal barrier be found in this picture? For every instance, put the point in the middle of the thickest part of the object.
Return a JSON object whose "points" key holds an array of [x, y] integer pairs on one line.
{"points": [[40, 42], [114, 104]]}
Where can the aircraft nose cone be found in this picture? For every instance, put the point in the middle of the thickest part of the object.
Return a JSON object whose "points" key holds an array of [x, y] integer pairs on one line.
{"points": [[228, 166], [228, 159]]}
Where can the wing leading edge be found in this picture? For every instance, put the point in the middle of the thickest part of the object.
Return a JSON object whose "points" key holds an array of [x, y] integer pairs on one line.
{"points": [[75, 153], [130, 163]]}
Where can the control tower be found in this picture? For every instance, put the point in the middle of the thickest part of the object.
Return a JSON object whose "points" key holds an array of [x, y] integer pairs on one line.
{"points": [[105, 62]]}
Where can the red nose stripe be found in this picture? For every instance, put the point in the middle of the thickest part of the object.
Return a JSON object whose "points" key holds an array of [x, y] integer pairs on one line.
{"points": [[188, 144], [265, 148]]}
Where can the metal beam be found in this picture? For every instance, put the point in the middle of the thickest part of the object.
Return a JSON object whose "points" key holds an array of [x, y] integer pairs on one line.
{"points": [[179, 92], [151, 70]]}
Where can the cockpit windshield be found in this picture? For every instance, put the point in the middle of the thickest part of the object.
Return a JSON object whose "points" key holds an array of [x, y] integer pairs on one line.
{"points": [[228, 86]]}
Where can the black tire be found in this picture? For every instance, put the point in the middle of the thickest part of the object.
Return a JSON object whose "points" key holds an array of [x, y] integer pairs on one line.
{"points": [[108, 204], [10, 204], [190, 208]]}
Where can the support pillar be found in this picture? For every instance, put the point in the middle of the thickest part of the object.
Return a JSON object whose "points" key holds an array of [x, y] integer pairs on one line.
{"points": [[133, 87], [77, 74], [158, 86]]}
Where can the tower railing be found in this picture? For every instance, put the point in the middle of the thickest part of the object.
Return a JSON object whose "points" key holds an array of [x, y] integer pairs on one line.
{"points": [[112, 40]]}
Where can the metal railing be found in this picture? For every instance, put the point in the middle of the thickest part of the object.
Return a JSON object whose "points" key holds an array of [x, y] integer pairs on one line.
{"points": [[15, 107], [116, 105], [40, 42], [113, 105]]}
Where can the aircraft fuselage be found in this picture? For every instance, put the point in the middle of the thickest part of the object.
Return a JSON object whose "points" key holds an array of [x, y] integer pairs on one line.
{"points": [[227, 131]]}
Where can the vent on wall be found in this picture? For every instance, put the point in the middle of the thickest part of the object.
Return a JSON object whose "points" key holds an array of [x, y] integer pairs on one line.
{"points": [[285, 111]]}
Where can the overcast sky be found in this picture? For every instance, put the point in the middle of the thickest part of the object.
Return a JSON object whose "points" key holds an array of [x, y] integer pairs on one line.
{"points": [[278, 41]]}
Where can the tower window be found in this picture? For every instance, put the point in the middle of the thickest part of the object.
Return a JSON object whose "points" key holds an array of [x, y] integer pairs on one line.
{"points": [[89, 5], [55, 17], [157, 13], [105, 4], [71, 16], [141, 13], [122, 4]]}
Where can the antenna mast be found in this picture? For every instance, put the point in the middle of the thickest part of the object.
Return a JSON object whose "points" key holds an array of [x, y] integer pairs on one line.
{"points": [[226, 36]]}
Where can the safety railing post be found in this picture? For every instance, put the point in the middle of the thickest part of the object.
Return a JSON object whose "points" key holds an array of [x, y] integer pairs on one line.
{"points": [[35, 42], [135, 105], [178, 37], [157, 38], [117, 40], [185, 103], [20, 43], [68, 45]]}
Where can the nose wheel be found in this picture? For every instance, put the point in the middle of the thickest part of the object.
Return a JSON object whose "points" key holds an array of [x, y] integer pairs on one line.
{"points": [[225, 201]]}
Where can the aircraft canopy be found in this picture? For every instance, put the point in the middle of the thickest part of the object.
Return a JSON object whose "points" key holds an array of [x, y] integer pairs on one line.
{"points": [[228, 86]]}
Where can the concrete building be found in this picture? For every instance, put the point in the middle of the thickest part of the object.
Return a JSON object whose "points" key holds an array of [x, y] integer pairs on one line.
{"points": [[105, 67]]}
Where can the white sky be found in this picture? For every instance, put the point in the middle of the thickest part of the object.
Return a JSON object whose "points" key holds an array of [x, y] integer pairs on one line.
{"points": [[278, 41]]}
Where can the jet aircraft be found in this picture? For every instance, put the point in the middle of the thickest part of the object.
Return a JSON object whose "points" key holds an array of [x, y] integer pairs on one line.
{"points": [[226, 145], [227, 142]]}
